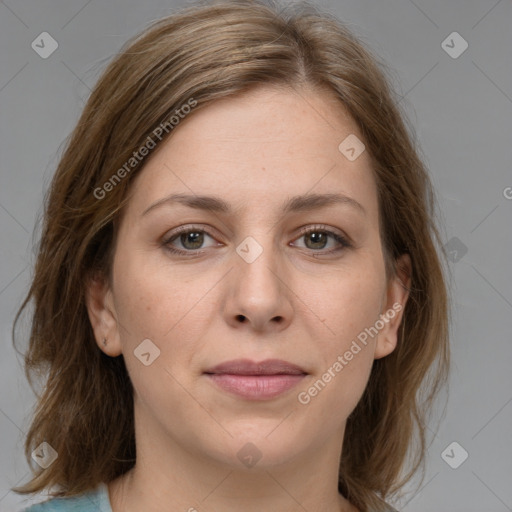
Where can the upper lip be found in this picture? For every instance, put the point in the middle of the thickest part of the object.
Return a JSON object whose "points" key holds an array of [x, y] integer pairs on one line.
{"points": [[266, 367]]}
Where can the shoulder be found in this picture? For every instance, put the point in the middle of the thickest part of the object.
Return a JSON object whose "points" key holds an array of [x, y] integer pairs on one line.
{"points": [[95, 500]]}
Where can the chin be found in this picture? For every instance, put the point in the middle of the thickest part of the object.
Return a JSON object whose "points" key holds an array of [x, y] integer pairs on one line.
{"points": [[261, 446]]}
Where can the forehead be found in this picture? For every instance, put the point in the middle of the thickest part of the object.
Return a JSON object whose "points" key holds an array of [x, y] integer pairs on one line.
{"points": [[263, 145]]}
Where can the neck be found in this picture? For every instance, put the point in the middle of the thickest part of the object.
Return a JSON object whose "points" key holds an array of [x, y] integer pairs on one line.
{"points": [[170, 476], [233, 492]]}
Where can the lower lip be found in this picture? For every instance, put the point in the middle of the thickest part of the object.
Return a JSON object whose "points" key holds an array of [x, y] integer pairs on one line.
{"points": [[256, 387]]}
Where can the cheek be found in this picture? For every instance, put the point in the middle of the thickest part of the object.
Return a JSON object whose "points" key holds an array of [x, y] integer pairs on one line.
{"points": [[344, 306], [348, 308], [150, 298], [163, 305], [152, 305], [346, 360]]}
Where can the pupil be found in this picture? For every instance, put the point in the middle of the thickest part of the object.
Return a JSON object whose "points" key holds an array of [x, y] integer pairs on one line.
{"points": [[318, 237], [194, 237]]}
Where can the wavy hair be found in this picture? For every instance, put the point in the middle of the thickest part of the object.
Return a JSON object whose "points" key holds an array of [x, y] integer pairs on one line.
{"points": [[85, 408]]}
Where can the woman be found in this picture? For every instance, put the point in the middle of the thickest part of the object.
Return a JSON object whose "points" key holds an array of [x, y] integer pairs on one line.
{"points": [[238, 294]]}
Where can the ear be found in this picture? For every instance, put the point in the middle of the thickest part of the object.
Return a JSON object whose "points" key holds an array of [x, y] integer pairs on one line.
{"points": [[100, 307], [394, 302]]}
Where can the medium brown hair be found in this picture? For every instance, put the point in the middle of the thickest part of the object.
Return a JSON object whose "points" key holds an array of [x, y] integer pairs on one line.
{"points": [[85, 411]]}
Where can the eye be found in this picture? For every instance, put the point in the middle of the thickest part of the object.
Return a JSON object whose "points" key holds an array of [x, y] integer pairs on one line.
{"points": [[317, 237], [191, 239]]}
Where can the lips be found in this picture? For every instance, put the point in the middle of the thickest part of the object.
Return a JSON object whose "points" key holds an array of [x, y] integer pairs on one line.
{"points": [[248, 367], [256, 381]]}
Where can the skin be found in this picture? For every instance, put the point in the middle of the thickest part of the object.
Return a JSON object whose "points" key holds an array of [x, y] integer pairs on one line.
{"points": [[299, 303]]}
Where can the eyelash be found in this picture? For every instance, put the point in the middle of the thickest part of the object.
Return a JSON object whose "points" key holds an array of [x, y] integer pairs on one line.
{"points": [[345, 244]]}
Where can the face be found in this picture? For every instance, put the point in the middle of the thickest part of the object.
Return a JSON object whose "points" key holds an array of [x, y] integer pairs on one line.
{"points": [[260, 273]]}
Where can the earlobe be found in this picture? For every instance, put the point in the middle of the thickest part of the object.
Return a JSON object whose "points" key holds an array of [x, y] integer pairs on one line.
{"points": [[99, 303], [393, 313]]}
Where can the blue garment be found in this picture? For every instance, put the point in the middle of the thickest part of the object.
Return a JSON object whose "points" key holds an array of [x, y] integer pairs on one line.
{"points": [[95, 500]]}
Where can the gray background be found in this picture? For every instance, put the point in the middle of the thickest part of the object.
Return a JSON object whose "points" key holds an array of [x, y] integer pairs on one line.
{"points": [[461, 110]]}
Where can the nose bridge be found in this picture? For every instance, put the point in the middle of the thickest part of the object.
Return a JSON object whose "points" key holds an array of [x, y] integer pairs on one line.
{"points": [[259, 262]]}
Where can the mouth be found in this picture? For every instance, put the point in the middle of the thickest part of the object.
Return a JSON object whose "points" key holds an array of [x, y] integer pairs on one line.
{"points": [[256, 381]]}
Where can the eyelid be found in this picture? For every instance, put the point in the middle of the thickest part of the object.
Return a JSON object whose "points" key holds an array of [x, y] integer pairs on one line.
{"points": [[309, 228]]}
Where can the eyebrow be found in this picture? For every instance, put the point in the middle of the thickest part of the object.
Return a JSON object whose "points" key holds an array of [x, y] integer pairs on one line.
{"points": [[302, 203]]}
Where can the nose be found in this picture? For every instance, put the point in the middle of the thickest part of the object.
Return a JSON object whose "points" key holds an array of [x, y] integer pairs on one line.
{"points": [[258, 294]]}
